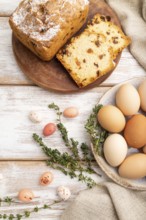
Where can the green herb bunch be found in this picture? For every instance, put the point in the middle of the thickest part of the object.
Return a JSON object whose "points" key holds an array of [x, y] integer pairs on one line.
{"points": [[26, 213], [72, 164], [96, 132]]}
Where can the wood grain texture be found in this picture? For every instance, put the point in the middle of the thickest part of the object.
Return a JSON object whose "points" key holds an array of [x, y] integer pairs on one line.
{"points": [[16, 129], [8, 6], [19, 175], [10, 73]]}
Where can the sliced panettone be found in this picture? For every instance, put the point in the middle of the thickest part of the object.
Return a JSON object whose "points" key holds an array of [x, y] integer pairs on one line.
{"points": [[87, 57], [114, 35]]}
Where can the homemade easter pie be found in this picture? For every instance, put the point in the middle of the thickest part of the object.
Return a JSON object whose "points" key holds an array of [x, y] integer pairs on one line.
{"points": [[45, 26], [91, 54]]}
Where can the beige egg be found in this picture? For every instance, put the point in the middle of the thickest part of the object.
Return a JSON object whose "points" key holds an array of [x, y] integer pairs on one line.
{"points": [[142, 93], [64, 192], [71, 112], [25, 195], [128, 99], [111, 118], [115, 149], [133, 167], [46, 178]]}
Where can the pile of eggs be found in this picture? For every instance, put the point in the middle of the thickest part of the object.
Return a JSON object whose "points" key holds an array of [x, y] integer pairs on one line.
{"points": [[127, 128]]}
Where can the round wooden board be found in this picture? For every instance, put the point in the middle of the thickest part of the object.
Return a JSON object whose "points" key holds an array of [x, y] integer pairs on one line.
{"points": [[111, 172], [51, 75]]}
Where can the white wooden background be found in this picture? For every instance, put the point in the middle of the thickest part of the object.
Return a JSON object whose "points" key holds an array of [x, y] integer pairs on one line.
{"points": [[21, 160]]}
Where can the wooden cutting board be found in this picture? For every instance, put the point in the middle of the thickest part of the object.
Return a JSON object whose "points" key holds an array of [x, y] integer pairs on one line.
{"points": [[52, 75]]}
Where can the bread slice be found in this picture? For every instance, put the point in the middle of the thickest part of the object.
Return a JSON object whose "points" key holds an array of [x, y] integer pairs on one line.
{"points": [[87, 57], [114, 35]]}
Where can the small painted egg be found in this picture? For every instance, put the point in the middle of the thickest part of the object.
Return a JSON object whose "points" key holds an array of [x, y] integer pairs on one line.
{"points": [[63, 192], [35, 117], [71, 112], [25, 195], [46, 178], [49, 129]]}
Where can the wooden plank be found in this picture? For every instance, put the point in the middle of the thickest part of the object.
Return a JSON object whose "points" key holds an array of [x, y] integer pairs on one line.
{"points": [[19, 175], [8, 6], [11, 74], [16, 141]]}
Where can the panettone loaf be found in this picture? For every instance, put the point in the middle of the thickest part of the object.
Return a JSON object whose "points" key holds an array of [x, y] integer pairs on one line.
{"points": [[44, 26], [87, 57]]}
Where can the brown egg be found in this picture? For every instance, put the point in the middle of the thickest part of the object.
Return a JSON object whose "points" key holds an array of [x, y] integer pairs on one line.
{"points": [[133, 167], [111, 118], [46, 178], [25, 195], [135, 131]]}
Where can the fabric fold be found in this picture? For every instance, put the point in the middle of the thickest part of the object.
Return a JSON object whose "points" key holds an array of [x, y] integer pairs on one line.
{"points": [[132, 14], [108, 201]]}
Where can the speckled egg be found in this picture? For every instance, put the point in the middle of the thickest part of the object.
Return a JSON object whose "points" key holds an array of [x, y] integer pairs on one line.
{"points": [[35, 117], [25, 195], [49, 129], [46, 178], [64, 192]]}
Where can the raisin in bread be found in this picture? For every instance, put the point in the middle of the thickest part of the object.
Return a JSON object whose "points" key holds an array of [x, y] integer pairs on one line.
{"points": [[87, 57], [44, 26], [114, 35]]}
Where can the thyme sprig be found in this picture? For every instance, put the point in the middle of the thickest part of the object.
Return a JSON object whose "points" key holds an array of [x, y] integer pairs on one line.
{"points": [[65, 163], [26, 213], [96, 132], [71, 164], [69, 142], [72, 144]]}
